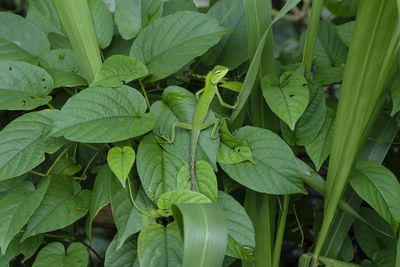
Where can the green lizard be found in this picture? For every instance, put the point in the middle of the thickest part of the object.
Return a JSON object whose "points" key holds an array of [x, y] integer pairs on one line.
{"points": [[198, 124]]}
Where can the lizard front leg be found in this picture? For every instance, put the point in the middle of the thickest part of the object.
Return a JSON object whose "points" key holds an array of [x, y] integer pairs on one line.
{"points": [[222, 102]]}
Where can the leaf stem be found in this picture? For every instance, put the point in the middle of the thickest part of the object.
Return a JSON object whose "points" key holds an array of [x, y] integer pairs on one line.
{"points": [[90, 146], [39, 173], [50, 106], [144, 93], [57, 159], [134, 202], [89, 163], [280, 231]]}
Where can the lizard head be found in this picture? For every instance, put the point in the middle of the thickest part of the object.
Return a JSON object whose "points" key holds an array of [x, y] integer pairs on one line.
{"points": [[217, 74]]}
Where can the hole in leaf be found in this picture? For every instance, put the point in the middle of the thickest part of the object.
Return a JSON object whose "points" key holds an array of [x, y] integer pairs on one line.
{"points": [[291, 95], [23, 103], [10, 68], [304, 84], [43, 79], [32, 97], [44, 87]]}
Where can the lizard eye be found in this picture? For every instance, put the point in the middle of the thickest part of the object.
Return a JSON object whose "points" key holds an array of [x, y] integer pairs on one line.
{"points": [[218, 72]]}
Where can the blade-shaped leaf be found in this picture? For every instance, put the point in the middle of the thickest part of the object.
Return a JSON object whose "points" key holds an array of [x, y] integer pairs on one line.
{"points": [[23, 86], [16, 207], [179, 196], [101, 196], [241, 240], [118, 69], [160, 246], [188, 34], [63, 204], [156, 167], [54, 254], [204, 231], [178, 104], [28, 37], [274, 170], [133, 15], [26, 135], [120, 160], [287, 97], [380, 188], [102, 115], [61, 64]]}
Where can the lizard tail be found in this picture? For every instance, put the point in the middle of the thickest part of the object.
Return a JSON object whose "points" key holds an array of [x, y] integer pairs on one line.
{"points": [[193, 146]]}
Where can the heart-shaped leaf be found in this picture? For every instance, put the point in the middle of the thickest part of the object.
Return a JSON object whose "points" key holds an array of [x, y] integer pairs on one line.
{"points": [[179, 196], [120, 160], [287, 97], [54, 254]]}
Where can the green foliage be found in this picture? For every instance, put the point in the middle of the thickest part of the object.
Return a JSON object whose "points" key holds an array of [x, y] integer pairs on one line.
{"points": [[89, 93], [55, 254]]}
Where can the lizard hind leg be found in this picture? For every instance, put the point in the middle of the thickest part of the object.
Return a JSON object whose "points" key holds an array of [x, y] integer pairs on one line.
{"points": [[217, 122], [175, 124]]}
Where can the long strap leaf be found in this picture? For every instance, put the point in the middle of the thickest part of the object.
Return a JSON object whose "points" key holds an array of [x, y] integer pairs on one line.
{"points": [[255, 64], [204, 231]]}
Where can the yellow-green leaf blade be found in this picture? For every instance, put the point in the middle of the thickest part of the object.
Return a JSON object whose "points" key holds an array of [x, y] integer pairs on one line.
{"points": [[121, 161]]}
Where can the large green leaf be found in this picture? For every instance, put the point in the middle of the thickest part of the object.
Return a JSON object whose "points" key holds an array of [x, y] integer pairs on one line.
{"points": [[204, 231], [157, 168], [61, 64], [101, 196], [102, 115], [63, 204], [23, 86], [54, 255], [16, 247], [185, 33], [160, 246], [345, 32], [310, 123], [24, 142], [119, 69], [241, 240], [330, 51], [287, 97], [44, 15], [206, 181], [178, 104], [128, 219], [369, 239], [28, 38], [133, 15], [173, 6], [123, 257], [102, 22], [231, 51], [320, 148], [380, 188], [16, 207], [274, 171], [179, 196]]}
